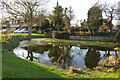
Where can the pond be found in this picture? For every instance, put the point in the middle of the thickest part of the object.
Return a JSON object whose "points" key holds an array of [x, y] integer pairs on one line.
{"points": [[63, 54]]}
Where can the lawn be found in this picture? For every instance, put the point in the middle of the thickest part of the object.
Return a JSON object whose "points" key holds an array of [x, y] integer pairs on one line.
{"points": [[24, 34], [15, 67], [72, 42]]}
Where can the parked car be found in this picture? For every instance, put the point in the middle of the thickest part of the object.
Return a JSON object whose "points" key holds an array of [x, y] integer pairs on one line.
{"points": [[17, 31], [24, 31], [21, 31]]}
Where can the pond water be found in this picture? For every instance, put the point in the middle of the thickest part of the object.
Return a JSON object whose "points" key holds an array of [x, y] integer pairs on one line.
{"points": [[64, 55]]}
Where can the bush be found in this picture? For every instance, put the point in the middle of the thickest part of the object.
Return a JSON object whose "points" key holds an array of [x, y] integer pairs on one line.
{"points": [[48, 34], [105, 34], [84, 30], [60, 35]]}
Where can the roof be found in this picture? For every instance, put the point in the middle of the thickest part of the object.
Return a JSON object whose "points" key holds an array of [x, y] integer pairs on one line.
{"points": [[11, 25], [104, 27], [14, 25], [19, 25], [27, 25]]}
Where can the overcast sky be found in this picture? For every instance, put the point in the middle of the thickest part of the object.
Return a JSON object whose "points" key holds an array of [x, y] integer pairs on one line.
{"points": [[80, 7]]}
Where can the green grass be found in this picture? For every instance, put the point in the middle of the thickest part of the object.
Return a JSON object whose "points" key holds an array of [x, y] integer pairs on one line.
{"points": [[24, 34], [72, 42], [15, 67], [12, 43], [0, 62], [99, 74]]}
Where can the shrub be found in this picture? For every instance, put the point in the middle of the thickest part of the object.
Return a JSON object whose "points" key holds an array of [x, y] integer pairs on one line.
{"points": [[60, 35]]}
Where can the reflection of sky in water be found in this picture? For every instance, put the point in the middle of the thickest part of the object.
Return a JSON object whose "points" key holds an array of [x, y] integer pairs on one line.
{"points": [[42, 58], [22, 53], [103, 53], [78, 57], [77, 54]]}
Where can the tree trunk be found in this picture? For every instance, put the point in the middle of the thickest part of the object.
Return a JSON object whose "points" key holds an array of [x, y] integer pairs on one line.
{"points": [[110, 23], [30, 26]]}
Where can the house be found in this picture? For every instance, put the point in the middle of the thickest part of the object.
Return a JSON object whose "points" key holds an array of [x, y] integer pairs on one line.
{"points": [[104, 27], [15, 23]]}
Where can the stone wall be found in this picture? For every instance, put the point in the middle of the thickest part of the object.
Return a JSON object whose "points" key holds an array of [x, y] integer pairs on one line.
{"points": [[92, 38], [64, 35]]}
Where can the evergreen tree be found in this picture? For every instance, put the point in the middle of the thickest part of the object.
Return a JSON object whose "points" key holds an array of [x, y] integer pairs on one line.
{"points": [[95, 19], [57, 17], [45, 24]]}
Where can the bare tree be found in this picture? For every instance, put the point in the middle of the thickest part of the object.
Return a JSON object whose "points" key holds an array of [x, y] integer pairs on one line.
{"points": [[109, 11], [118, 13], [24, 8], [66, 20], [68, 17], [117, 36], [71, 13]]}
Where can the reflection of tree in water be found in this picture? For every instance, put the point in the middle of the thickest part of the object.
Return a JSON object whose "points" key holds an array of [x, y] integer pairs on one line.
{"points": [[30, 53], [60, 55], [92, 58], [41, 48], [36, 49]]}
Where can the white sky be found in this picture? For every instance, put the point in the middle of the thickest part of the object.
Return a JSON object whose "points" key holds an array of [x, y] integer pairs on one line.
{"points": [[80, 7]]}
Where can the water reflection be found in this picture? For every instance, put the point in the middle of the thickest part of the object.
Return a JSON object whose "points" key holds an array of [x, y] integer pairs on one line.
{"points": [[64, 55], [92, 58], [60, 55]]}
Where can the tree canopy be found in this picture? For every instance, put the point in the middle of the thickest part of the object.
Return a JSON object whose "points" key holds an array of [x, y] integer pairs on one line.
{"points": [[45, 24], [95, 19]]}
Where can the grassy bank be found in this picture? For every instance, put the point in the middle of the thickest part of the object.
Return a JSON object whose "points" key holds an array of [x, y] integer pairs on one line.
{"points": [[15, 67]]}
